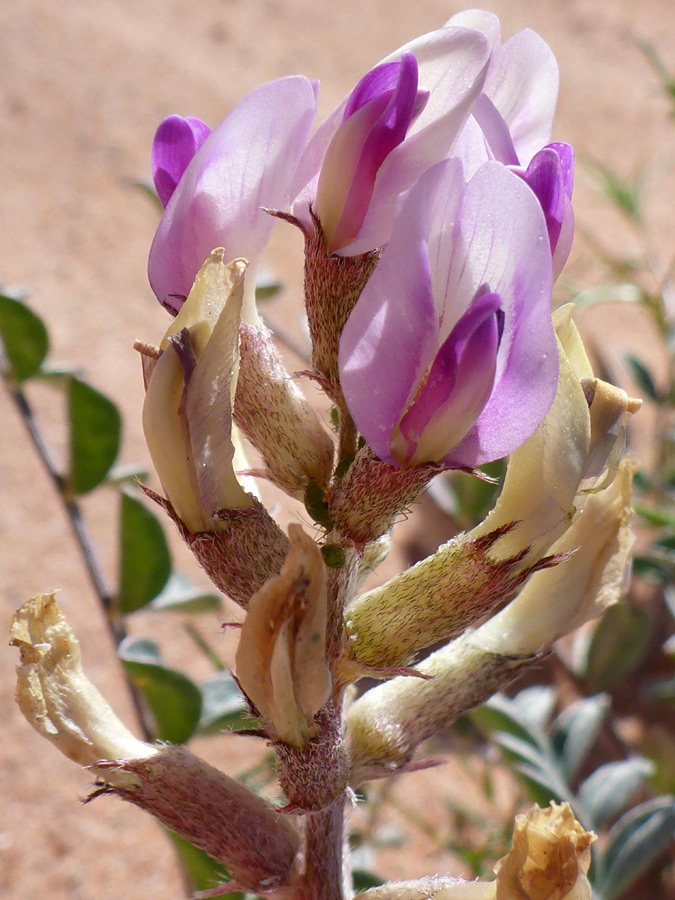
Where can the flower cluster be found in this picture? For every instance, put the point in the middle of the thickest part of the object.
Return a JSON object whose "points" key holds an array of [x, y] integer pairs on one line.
{"points": [[441, 156], [436, 216]]}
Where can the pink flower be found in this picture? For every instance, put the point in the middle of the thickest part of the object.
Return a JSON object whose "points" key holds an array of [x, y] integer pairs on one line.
{"points": [[449, 354], [246, 164], [400, 120]]}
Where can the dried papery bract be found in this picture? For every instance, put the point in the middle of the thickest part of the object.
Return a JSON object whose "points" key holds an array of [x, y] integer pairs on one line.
{"points": [[187, 419], [281, 658], [55, 695]]}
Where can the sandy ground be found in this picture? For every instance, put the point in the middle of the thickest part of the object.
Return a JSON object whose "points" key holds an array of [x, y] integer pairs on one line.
{"points": [[82, 88]]}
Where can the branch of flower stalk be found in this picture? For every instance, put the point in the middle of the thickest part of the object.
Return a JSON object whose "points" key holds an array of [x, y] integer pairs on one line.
{"points": [[85, 544]]}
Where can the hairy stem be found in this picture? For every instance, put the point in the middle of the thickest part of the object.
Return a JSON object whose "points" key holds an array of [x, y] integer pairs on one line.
{"points": [[324, 853]]}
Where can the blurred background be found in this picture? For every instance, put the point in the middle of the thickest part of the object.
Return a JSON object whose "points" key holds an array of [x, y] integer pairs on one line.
{"points": [[83, 86]]}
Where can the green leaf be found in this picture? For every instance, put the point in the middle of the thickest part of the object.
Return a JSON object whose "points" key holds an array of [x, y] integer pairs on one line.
{"points": [[223, 706], [144, 557], [643, 377], [173, 699], [618, 644], [609, 789], [202, 872], [333, 556], [180, 595], [95, 433], [638, 838], [316, 504], [363, 879], [655, 516], [576, 730], [266, 286], [24, 336], [127, 475]]}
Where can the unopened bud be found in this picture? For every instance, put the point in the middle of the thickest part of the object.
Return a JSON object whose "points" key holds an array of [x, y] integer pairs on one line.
{"points": [[281, 658], [276, 418]]}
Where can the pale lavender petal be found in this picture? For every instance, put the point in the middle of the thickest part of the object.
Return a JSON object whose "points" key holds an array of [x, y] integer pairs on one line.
{"points": [[246, 163], [514, 260], [385, 133], [480, 20], [451, 64], [565, 154], [175, 143], [522, 82], [495, 131], [390, 338]]}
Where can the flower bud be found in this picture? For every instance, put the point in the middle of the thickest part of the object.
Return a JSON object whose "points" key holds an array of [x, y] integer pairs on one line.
{"points": [[281, 659], [276, 418], [56, 696]]}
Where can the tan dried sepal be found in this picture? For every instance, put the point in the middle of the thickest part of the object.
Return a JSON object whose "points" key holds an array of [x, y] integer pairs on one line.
{"points": [[281, 657], [550, 858]]}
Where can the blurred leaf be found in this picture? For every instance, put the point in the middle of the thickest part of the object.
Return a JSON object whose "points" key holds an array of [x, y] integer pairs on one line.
{"points": [[643, 377], [500, 714], [144, 557], [576, 730], [639, 836], [127, 474], [95, 432], [266, 286], [363, 879], [667, 80], [539, 769], [626, 292], [173, 699], [655, 516], [536, 705], [202, 872], [24, 336], [474, 496], [649, 568], [608, 790], [663, 689], [180, 595], [619, 642], [624, 194], [223, 706]]}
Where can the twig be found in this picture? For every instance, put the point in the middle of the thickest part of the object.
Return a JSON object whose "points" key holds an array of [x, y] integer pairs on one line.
{"points": [[84, 542]]}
